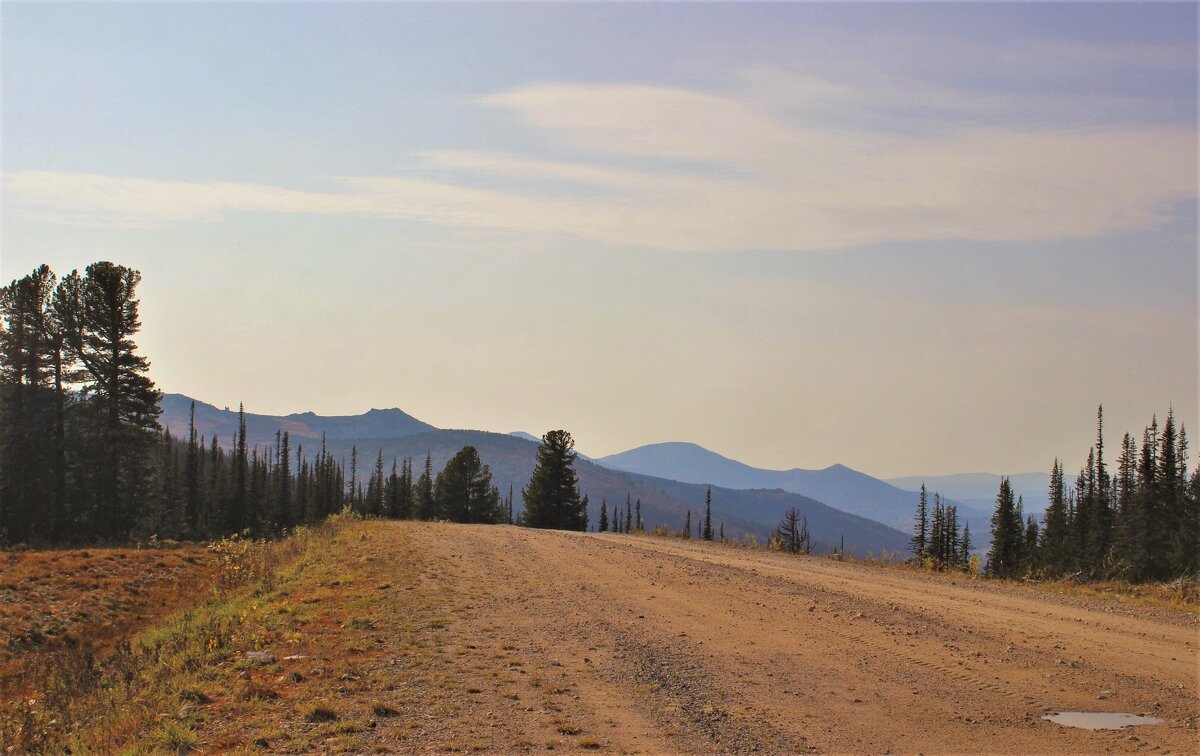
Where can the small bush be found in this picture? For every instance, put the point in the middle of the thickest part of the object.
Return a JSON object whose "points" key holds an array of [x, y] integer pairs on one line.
{"points": [[383, 710], [322, 714], [174, 737]]}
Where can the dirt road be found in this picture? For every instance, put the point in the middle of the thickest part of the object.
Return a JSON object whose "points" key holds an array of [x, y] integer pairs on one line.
{"points": [[503, 639]]}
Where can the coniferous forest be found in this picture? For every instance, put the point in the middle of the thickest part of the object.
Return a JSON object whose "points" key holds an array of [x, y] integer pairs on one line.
{"points": [[1137, 521], [83, 458]]}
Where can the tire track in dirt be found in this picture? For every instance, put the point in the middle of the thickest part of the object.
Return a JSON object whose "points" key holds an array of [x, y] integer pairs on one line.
{"points": [[828, 656]]}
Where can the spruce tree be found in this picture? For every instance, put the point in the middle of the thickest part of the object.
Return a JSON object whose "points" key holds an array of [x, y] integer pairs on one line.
{"points": [[603, 526], [30, 399], [920, 539], [1005, 556], [1030, 541], [708, 531], [192, 479], [423, 492], [464, 490], [1053, 543], [966, 546], [99, 320], [552, 498], [283, 483]]}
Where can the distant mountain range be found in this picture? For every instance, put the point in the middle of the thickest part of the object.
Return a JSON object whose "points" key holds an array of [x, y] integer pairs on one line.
{"points": [[978, 490], [396, 436], [303, 427], [838, 486]]}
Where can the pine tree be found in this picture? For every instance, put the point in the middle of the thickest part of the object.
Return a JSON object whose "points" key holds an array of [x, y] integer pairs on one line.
{"points": [[603, 526], [1004, 559], [407, 509], [641, 527], [192, 479], [355, 499], [552, 498], [1098, 523], [423, 492], [792, 532], [464, 490], [687, 525], [1030, 541], [391, 492], [1179, 515], [966, 546], [31, 400], [708, 531], [920, 539], [99, 320], [628, 517], [1053, 543], [283, 482], [937, 531]]}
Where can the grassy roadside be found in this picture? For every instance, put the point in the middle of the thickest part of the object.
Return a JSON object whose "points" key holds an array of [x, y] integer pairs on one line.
{"points": [[160, 675], [89, 600], [343, 638], [1182, 594]]}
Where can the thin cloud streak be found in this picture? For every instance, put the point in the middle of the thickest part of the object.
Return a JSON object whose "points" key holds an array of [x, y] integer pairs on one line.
{"points": [[715, 173]]}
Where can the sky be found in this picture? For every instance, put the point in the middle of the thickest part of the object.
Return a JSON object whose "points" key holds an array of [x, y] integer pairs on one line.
{"points": [[908, 238]]}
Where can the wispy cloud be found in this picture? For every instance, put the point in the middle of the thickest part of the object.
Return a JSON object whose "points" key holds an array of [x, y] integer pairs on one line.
{"points": [[710, 173]]}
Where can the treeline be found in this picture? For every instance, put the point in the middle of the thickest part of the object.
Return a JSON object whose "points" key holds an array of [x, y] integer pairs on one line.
{"points": [[629, 522], [937, 540], [83, 458], [461, 492], [1139, 522]]}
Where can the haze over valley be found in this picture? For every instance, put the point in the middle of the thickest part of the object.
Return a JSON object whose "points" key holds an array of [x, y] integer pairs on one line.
{"points": [[642, 378]]}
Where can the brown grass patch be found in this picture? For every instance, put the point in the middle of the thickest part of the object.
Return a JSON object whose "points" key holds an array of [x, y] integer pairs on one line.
{"points": [[86, 601]]}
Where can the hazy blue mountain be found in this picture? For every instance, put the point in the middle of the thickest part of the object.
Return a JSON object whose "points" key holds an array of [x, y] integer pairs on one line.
{"points": [[397, 435], [838, 486], [663, 501], [978, 490], [304, 427]]}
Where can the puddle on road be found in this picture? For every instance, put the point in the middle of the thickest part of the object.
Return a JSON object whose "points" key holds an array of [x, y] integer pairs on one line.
{"points": [[1100, 720]]}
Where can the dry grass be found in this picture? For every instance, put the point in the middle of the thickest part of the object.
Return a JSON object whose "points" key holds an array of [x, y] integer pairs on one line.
{"points": [[85, 601], [1183, 593], [100, 706]]}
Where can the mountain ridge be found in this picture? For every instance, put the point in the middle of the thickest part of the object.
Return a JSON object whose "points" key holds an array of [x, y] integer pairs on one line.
{"points": [[512, 457], [837, 485]]}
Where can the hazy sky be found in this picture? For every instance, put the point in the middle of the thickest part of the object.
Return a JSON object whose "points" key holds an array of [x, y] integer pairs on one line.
{"points": [[907, 238]]}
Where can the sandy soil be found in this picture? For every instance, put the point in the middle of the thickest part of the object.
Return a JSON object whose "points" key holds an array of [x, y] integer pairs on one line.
{"points": [[503, 639]]}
